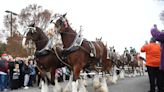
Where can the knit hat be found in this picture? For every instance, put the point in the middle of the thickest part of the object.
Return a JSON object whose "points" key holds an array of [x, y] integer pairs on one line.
{"points": [[4, 55], [152, 39]]}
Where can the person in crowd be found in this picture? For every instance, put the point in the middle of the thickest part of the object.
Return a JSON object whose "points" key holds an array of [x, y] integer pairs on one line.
{"points": [[16, 74], [21, 68], [27, 74], [19, 63], [159, 36], [3, 72], [126, 50], [132, 51], [152, 51], [11, 71], [32, 72]]}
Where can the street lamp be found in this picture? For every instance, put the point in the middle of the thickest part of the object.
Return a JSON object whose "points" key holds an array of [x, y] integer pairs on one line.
{"points": [[11, 13]]}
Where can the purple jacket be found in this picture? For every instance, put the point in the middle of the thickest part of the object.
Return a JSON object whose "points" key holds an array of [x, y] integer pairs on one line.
{"points": [[159, 36]]}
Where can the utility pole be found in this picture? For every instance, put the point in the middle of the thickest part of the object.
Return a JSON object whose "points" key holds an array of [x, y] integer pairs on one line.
{"points": [[11, 14]]}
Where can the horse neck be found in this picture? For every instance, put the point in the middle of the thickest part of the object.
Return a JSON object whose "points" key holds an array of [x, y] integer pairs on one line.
{"points": [[41, 43], [68, 37]]}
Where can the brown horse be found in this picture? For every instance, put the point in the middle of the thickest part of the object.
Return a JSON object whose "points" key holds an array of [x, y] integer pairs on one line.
{"points": [[78, 55], [47, 61], [138, 62], [107, 62], [117, 59]]}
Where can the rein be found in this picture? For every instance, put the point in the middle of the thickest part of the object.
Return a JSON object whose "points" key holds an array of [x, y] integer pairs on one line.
{"points": [[60, 58]]}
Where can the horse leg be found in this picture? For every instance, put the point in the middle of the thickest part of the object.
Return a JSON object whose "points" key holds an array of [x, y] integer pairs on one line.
{"points": [[135, 71], [122, 73], [114, 80], [143, 68], [76, 73], [54, 81], [44, 86], [52, 76], [129, 71]]}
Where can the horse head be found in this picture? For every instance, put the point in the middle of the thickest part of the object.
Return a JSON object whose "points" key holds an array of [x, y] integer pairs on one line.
{"points": [[35, 34], [61, 22]]}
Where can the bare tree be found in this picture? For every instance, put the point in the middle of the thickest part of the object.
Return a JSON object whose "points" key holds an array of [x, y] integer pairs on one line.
{"points": [[34, 14]]}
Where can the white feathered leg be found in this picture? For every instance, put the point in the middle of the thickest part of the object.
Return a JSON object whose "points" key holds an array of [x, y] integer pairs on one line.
{"points": [[68, 87], [74, 86], [44, 87], [103, 87], [81, 86], [122, 74], [57, 87], [115, 78], [96, 82]]}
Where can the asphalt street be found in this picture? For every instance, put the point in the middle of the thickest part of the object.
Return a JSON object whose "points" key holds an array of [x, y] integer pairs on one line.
{"points": [[135, 84]]}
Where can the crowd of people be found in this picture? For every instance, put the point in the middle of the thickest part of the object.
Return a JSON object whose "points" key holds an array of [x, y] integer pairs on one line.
{"points": [[16, 73], [21, 73]]}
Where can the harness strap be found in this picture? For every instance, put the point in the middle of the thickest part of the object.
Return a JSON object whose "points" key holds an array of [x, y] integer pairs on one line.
{"points": [[93, 50], [60, 58]]}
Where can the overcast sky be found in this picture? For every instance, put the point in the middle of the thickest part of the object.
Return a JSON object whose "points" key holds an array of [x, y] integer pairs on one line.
{"points": [[120, 23]]}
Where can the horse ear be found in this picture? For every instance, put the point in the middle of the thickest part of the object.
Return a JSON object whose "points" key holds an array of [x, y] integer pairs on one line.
{"points": [[100, 38], [32, 25], [64, 14]]}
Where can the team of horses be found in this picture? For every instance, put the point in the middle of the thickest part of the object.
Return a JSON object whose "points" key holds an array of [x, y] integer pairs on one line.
{"points": [[76, 53]]}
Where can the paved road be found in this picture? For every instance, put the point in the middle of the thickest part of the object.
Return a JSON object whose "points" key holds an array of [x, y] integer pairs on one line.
{"points": [[137, 84]]}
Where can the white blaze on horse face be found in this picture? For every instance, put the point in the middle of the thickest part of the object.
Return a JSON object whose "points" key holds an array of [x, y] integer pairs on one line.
{"points": [[23, 42], [24, 38]]}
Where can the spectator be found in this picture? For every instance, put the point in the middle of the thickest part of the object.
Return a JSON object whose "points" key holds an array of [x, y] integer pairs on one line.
{"points": [[152, 63], [27, 74], [19, 63], [11, 71], [15, 77], [159, 36], [126, 50], [21, 67], [132, 51], [32, 72], [3, 72]]}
